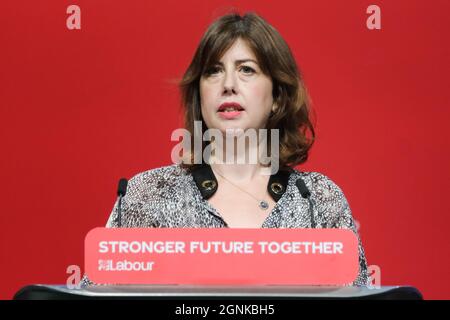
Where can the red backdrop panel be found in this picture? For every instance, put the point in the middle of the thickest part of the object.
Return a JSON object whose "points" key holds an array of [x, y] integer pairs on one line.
{"points": [[82, 108]]}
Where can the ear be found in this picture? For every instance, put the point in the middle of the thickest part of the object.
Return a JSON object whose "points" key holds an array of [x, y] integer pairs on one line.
{"points": [[274, 107]]}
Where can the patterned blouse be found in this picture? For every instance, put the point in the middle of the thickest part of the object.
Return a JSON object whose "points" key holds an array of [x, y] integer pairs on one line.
{"points": [[175, 197]]}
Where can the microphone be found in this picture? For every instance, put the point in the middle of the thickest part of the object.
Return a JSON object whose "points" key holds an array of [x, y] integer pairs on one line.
{"points": [[121, 191], [306, 194]]}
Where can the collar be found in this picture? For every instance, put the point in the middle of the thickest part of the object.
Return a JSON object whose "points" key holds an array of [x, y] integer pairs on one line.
{"points": [[207, 183]]}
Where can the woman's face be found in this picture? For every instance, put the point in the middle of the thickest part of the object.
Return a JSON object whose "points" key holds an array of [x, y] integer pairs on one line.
{"points": [[236, 78]]}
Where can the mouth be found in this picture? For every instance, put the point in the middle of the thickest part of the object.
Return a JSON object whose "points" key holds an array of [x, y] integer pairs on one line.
{"points": [[230, 110], [230, 107]]}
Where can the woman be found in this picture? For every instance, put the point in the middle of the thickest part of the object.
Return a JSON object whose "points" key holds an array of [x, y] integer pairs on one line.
{"points": [[243, 76]]}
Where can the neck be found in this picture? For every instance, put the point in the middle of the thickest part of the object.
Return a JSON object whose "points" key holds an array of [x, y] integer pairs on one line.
{"points": [[234, 163], [238, 172]]}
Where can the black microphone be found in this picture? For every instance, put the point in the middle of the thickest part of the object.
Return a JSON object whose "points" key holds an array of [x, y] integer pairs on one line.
{"points": [[306, 194], [121, 191]]}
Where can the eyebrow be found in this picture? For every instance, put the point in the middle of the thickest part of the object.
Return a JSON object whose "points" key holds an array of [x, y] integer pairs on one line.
{"points": [[237, 62]]}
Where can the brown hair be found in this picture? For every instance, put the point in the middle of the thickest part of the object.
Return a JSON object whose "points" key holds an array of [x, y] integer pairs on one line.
{"points": [[292, 116]]}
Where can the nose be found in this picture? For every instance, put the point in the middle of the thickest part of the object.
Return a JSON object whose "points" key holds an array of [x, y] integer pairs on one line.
{"points": [[229, 84]]}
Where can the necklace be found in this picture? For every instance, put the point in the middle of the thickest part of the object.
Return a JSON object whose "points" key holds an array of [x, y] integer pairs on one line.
{"points": [[263, 205]]}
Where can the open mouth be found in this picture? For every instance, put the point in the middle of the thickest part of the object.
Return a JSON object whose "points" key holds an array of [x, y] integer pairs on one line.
{"points": [[230, 107], [230, 110]]}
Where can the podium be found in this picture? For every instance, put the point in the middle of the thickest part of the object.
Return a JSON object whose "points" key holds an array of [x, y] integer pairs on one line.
{"points": [[183, 292]]}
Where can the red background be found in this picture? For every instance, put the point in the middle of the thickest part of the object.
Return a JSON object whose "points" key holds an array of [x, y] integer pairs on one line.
{"points": [[82, 108]]}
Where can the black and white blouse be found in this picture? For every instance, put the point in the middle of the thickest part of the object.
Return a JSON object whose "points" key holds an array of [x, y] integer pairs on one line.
{"points": [[175, 197]]}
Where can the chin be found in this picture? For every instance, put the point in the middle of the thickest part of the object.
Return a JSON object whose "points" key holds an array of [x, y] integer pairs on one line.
{"points": [[233, 128]]}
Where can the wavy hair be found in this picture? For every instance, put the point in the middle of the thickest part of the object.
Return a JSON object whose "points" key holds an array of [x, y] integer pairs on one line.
{"points": [[293, 113]]}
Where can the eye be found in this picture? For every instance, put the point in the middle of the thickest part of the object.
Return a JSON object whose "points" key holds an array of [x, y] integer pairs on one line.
{"points": [[212, 70], [248, 70]]}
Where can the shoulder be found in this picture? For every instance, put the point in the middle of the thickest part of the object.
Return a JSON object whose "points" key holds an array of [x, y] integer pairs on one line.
{"points": [[165, 173], [147, 192], [318, 182], [149, 182], [325, 192]]}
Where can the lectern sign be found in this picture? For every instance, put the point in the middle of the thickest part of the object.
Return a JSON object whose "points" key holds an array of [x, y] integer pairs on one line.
{"points": [[221, 256]]}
